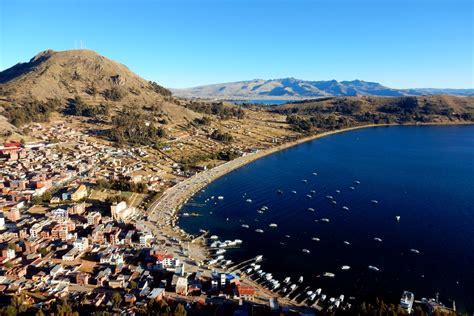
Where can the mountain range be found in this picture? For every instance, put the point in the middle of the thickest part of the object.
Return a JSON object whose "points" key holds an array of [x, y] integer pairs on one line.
{"points": [[291, 88]]}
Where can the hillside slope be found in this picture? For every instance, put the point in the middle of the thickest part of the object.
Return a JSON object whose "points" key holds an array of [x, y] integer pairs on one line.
{"points": [[96, 79]]}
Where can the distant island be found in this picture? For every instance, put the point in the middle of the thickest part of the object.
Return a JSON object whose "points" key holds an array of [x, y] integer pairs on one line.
{"points": [[296, 89]]}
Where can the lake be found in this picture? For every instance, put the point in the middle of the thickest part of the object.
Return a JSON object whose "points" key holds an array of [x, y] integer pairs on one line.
{"points": [[424, 174]]}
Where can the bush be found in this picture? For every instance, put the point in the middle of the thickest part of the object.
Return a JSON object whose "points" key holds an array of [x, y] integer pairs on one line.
{"points": [[115, 94], [222, 137]]}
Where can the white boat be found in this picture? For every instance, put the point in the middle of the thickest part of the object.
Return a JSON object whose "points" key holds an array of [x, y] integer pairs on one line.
{"points": [[287, 280], [374, 268], [329, 274], [259, 211], [338, 191], [214, 237], [306, 251], [318, 291], [324, 219], [300, 280], [334, 202], [304, 180], [312, 297], [315, 239], [315, 173], [406, 302], [293, 287], [330, 197], [287, 236], [258, 258], [309, 196], [294, 192], [309, 293], [345, 208], [312, 191], [374, 202], [220, 251], [357, 182], [220, 197], [345, 267], [347, 243], [398, 218], [341, 297], [248, 200], [414, 250], [378, 239], [310, 209], [259, 231], [352, 188], [185, 214], [332, 300], [245, 226], [323, 297], [273, 225]]}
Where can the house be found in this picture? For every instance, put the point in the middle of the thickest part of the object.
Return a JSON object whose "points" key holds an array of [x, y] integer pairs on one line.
{"points": [[245, 292], [156, 294], [80, 193], [82, 278], [182, 286], [81, 244], [93, 218], [121, 211]]}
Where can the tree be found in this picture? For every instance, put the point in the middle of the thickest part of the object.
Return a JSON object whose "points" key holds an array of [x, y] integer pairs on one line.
{"points": [[47, 196], [116, 299]]}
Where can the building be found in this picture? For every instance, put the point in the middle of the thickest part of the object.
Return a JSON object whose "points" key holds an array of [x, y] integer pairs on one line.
{"points": [[246, 292], [81, 244], [80, 193], [156, 294], [182, 286], [2, 221], [93, 218], [121, 211]]}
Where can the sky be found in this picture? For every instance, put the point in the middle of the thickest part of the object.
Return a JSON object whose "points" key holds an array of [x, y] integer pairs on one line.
{"points": [[179, 43]]}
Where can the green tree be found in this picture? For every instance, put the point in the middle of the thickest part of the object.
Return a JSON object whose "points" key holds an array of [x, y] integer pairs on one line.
{"points": [[116, 299]]}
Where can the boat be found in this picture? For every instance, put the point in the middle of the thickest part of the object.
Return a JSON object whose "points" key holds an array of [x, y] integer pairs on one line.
{"points": [[220, 251], [259, 231], [334, 202], [273, 225], [318, 291], [309, 196], [258, 258], [304, 180], [378, 239], [330, 197], [294, 192], [310, 209], [414, 250], [315, 173], [185, 214], [345, 267], [357, 182], [312, 297], [220, 197], [406, 302], [325, 220], [329, 274], [338, 191], [323, 297], [245, 226], [332, 300], [300, 280], [374, 202], [313, 191], [374, 268], [287, 280], [309, 293], [259, 211], [347, 243], [397, 218], [306, 251], [248, 200], [287, 236], [341, 297], [352, 188], [293, 287], [264, 208], [214, 237], [279, 191], [345, 208], [315, 239]]}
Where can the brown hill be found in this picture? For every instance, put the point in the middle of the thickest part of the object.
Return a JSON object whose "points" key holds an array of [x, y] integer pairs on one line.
{"points": [[96, 79]]}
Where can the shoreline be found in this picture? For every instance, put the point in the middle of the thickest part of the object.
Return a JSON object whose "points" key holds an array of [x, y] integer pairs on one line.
{"points": [[174, 197], [163, 213]]}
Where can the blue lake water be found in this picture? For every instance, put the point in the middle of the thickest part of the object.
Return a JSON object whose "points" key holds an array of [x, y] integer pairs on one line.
{"points": [[264, 102], [425, 175]]}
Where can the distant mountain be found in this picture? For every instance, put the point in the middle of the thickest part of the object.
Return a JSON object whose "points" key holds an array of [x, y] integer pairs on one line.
{"points": [[291, 88]]}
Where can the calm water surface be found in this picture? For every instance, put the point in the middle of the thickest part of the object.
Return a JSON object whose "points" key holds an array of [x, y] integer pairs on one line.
{"points": [[425, 175]]}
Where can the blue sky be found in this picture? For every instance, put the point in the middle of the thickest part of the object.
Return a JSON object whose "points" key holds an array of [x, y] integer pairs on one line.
{"points": [[402, 44]]}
